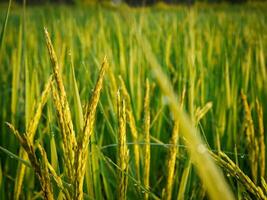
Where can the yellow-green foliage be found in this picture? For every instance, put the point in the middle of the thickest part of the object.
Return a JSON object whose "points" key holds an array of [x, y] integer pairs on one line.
{"points": [[177, 112]]}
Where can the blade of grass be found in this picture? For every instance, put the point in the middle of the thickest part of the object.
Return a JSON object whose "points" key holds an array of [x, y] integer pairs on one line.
{"points": [[183, 183], [3, 31], [14, 156]]}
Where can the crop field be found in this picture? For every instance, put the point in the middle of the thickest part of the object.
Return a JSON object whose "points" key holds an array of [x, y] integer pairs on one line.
{"points": [[161, 102]]}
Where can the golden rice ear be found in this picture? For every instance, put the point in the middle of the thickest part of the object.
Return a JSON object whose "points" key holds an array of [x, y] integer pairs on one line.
{"points": [[123, 152], [261, 139], [251, 139], [83, 139], [63, 110], [264, 185], [91, 109], [232, 169], [147, 138], [133, 128], [64, 135], [40, 169]]}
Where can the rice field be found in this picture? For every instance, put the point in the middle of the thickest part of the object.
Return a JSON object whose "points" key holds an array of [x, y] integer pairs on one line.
{"points": [[161, 102]]}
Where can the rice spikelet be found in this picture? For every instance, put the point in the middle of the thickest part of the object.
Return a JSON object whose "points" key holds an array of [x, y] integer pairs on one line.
{"points": [[132, 124], [147, 138], [261, 139], [45, 174], [66, 150], [252, 142], [123, 152]]}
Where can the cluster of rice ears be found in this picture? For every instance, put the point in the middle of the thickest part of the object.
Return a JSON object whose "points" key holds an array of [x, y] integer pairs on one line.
{"points": [[75, 146]]}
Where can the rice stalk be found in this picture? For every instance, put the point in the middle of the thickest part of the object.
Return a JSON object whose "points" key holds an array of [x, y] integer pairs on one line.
{"points": [[59, 182], [113, 87], [133, 128], [4, 26], [123, 152], [147, 138], [184, 180], [173, 150]]}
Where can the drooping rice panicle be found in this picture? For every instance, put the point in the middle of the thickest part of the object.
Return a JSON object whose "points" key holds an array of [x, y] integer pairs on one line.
{"points": [[31, 130], [40, 170], [228, 165]]}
